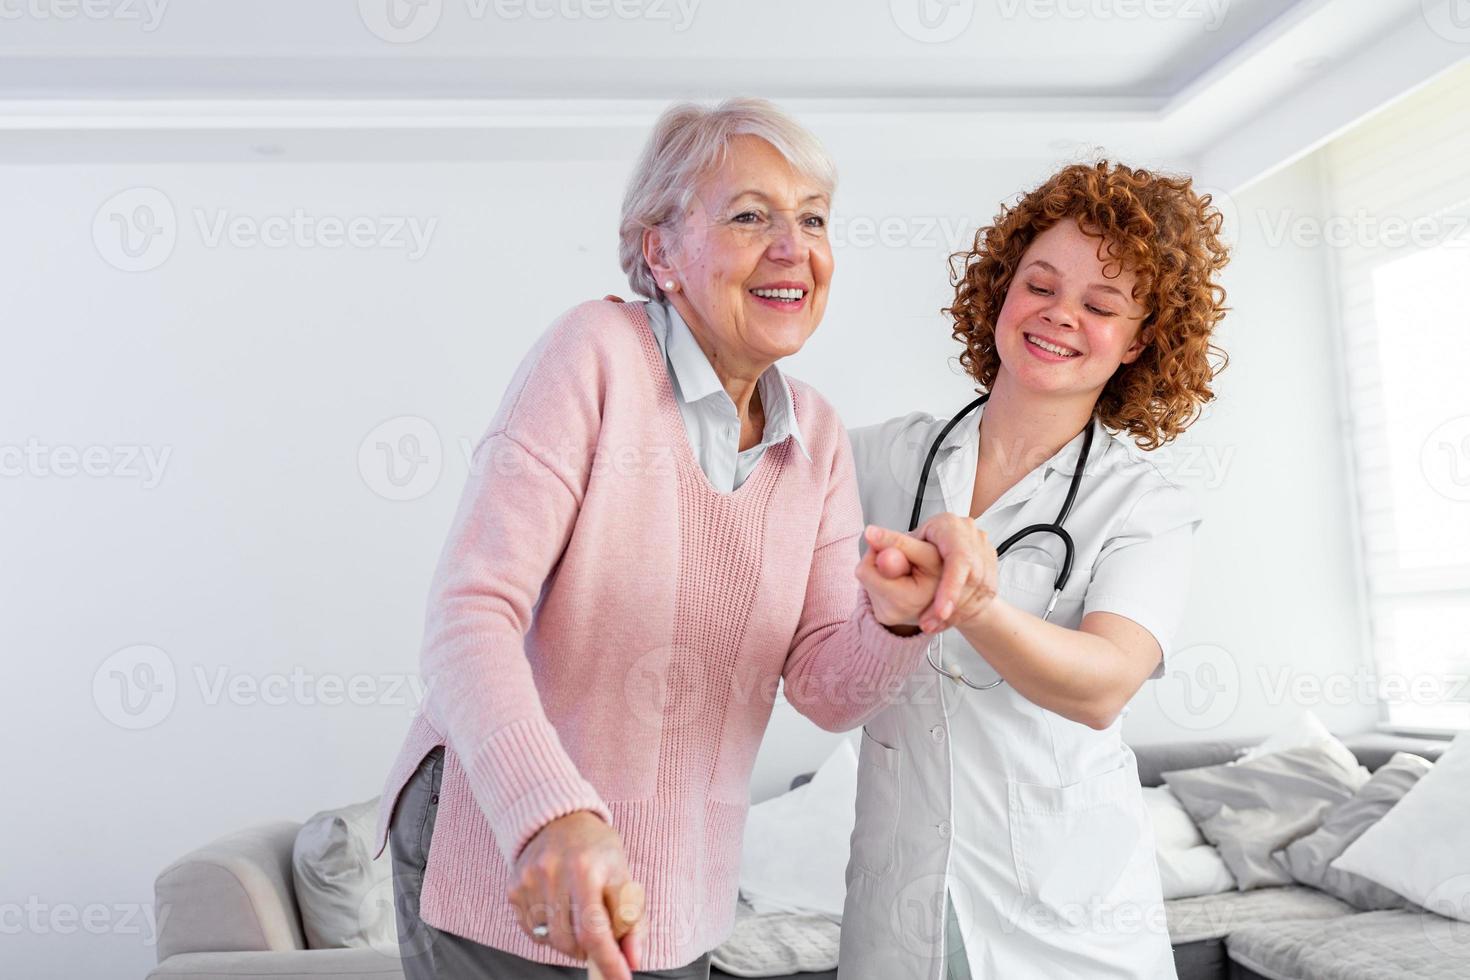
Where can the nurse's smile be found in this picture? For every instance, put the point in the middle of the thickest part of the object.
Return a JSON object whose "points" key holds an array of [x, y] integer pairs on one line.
{"points": [[1049, 350]]}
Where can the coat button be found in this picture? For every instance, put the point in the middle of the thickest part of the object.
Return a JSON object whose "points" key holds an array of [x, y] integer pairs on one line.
{"points": [[944, 829], [937, 733]]}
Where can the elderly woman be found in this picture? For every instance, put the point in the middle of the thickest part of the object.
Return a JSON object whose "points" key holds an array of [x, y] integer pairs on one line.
{"points": [[1000, 826], [659, 527]]}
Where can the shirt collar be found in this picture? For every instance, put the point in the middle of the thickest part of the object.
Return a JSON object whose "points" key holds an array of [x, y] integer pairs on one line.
{"points": [[959, 451], [697, 379]]}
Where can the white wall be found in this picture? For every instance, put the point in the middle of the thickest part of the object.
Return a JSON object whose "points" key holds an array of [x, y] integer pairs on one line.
{"points": [[1274, 623], [266, 551]]}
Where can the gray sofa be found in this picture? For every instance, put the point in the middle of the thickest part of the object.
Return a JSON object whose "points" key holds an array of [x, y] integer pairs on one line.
{"points": [[234, 913]]}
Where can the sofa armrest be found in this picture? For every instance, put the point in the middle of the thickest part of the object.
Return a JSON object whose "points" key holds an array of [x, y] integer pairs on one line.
{"points": [[234, 894]]}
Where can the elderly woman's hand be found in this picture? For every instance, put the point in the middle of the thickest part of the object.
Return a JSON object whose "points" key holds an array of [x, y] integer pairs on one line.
{"points": [[900, 576], [567, 878], [963, 586]]}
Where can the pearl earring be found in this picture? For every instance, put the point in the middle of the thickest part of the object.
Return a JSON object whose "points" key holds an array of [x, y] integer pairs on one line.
{"points": [[669, 285]]}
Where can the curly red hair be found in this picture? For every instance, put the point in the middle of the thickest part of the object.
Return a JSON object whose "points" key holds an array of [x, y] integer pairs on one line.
{"points": [[1155, 225]]}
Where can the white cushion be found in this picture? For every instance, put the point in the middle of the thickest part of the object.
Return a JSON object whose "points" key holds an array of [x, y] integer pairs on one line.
{"points": [[1304, 730], [1188, 866], [794, 858], [1421, 847], [335, 876]]}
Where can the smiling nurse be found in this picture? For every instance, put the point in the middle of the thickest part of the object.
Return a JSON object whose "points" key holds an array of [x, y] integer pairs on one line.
{"points": [[1000, 826]]}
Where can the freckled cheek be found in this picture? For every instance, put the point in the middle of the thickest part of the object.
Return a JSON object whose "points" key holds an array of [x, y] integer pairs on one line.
{"points": [[1012, 315]]}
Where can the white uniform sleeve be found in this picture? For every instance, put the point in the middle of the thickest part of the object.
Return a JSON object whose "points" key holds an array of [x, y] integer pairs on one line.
{"points": [[887, 457], [1142, 572]]}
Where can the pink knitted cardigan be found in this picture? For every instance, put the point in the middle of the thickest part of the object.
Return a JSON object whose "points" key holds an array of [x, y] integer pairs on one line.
{"points": [[606, 631]]}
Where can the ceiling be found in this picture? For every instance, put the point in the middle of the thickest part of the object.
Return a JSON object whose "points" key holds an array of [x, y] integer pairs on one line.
{"points": [[312, 79]]}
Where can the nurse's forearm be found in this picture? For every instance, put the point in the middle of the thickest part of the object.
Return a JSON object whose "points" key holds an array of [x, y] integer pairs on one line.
{"points": [[1080, 676]]}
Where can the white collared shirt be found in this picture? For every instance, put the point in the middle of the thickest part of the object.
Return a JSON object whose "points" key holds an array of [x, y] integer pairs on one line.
{"points": [[710, 417]]}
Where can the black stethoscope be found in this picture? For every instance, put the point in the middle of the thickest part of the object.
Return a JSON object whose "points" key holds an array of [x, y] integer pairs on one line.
{"points": [[1055, 528]]}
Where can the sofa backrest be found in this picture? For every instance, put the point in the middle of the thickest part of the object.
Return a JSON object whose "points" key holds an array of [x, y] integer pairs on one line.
{"points": [[1372, 750]]}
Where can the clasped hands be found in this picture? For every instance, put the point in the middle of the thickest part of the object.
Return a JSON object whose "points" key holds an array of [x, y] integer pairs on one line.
{"points": [[943, 574]]}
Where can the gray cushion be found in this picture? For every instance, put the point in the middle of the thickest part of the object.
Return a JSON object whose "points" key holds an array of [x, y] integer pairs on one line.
{"points": [[1155, 760], [1308, 858], [1252, 808], [346, 897]]}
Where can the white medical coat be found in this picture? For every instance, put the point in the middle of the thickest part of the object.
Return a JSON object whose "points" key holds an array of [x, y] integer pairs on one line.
{"points": [[1034, 825]]}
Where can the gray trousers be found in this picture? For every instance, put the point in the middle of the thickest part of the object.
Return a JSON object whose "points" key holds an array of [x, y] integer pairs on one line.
{"points": [[432, 954]]}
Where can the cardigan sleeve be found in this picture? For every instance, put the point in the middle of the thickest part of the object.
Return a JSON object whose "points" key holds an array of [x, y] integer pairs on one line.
{"points": [[844, 666], [514, 519]]}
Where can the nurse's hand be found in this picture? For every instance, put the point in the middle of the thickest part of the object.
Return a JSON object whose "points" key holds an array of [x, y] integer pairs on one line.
{"points": [[969, 579], [900, 582], [568, 877]]}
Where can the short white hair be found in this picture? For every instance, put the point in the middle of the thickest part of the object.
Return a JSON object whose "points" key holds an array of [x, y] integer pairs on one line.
{"points": [[690, 141]]}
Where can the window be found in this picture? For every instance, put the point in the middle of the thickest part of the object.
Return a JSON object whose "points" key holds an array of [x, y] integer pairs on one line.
{"points": [[1399, 190]]}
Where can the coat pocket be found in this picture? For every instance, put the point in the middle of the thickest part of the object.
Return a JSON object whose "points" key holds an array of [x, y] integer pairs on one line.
{"points": [[874, 832], [1075, 847], [1029, 585]]}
